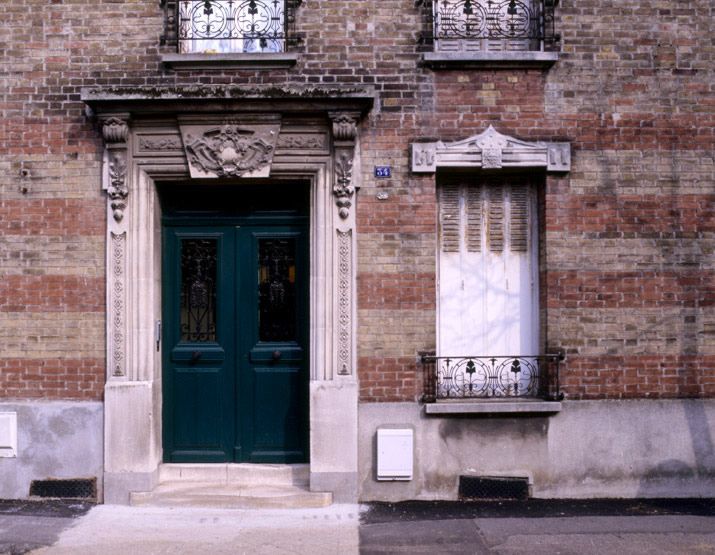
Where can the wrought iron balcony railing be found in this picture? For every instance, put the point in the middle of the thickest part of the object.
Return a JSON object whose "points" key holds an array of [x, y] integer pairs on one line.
{"points": [[489, 25], [229, 26], [491, 377]]}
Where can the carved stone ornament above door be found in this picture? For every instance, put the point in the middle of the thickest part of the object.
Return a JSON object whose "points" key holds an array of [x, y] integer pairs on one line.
{"points": [[230, 150]]}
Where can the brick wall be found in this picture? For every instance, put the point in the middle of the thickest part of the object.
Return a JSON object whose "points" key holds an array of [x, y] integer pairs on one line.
{"points": [[628, 235]]}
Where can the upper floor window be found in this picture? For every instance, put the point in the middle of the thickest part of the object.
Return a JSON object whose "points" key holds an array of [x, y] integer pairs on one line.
{"points": [[230, 27], [213, 26], [464, 25], [490, 30]]}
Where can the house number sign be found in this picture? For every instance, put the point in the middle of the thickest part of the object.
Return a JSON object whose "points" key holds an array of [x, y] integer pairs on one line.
{"points": [[383, 171]]}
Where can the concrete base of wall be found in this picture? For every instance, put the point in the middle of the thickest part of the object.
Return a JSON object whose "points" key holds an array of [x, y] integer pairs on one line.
{"points": [[640, 448], [333, 439], [55, 439], [342, 485], [120, 485]]}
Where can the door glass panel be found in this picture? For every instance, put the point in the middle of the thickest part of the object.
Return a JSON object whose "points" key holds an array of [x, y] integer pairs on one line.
{"points": [[198, 290], [276, 289]]}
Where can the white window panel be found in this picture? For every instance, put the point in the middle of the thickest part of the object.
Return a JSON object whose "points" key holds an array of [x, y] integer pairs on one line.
{"points": [[488, 269]]}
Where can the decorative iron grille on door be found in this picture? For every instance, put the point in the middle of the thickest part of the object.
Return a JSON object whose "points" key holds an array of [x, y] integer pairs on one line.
{"points": [[489, 25], [230, 26]]}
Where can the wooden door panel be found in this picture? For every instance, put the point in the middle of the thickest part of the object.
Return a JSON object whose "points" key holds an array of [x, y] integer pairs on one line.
{"points": [[199, 356], [235, 361], [277, 417]]}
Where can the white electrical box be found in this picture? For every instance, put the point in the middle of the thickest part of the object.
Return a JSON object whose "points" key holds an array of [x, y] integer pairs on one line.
{"points": [[395, 448], [8, 434]]}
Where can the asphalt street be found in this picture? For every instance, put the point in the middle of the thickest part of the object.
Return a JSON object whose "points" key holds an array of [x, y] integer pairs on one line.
{"points": [[531, 527]]}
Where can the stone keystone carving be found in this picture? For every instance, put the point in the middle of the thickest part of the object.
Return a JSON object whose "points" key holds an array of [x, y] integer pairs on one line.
{"points": [[492, 144], [230, 150]]}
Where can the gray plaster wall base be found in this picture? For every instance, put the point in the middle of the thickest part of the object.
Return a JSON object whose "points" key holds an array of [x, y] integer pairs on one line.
{"points": [[56, 439], [634, 448]]}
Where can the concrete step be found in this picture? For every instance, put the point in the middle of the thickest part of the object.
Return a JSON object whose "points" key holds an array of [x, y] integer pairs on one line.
{"points": [[237, 486], [224, 496], [237, 474]]}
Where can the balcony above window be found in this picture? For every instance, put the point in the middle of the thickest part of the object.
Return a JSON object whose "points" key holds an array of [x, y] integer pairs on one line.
{"points": [[220, 33], [489, 33]]}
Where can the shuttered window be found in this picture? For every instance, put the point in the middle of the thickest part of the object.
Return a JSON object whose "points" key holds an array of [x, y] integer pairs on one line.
{"points": [[488, 268]]}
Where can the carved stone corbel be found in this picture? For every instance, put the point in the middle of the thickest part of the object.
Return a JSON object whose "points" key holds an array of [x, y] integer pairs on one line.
{"points": [[344, 135], [115, 131]]}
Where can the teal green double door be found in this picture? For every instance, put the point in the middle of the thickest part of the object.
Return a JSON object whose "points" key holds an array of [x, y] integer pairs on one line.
{"points": [[235, 321]]}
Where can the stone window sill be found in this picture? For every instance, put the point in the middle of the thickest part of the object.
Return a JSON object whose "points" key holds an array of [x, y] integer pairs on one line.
{"points": [[490, 60], [266, 60], [492, 406]]}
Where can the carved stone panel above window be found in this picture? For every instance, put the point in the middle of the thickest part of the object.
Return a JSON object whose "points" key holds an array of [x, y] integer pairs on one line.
{"points": [[490, 150], [492, 33]]}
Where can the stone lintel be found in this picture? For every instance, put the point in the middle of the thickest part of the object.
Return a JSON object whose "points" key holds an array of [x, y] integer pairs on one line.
{"points": [[490, 150]]}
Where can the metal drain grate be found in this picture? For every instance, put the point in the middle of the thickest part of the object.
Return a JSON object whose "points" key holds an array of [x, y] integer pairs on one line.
{"points": [[489, 487], [83, 488]]}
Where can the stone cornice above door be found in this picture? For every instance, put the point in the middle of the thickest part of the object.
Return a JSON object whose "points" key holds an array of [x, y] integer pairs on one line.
{"points": [[148, 100]]}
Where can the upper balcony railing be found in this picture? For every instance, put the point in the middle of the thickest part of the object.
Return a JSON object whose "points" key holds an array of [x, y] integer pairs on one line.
{"points": [[489, 25], [491, 377], [229, 26]]}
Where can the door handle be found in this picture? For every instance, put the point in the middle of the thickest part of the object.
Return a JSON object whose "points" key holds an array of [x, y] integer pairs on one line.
{"points": [[195, 356], [277, 355]]}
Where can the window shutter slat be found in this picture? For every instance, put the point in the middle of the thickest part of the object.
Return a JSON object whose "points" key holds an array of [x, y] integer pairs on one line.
{"points": [[519, 217], [449, 218], [474, 218], [495, 225]]}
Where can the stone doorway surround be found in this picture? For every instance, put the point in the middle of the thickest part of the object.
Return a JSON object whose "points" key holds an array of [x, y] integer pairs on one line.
{"points": [[226, 133]]}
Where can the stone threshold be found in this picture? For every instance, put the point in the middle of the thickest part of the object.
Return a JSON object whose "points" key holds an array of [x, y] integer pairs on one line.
{"points": [[233, 486]]}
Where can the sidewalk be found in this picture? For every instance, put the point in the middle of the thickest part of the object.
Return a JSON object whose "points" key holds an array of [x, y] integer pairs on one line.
{"points": [[533, 527], [120, 530], [542, 527]]}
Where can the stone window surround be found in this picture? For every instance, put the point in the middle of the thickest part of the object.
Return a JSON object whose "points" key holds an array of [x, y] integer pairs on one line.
{"points": [[493, 151], [318, 142]]}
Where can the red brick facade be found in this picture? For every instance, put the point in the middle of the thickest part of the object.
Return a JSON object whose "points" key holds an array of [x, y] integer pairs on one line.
{"points": [[628, 235]]}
